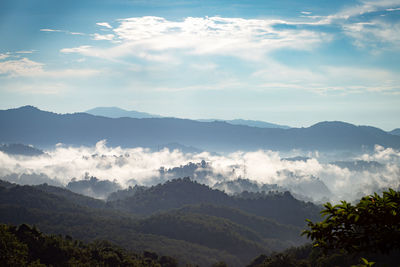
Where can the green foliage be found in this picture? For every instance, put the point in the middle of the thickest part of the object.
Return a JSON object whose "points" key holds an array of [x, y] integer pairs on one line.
{"points": [[364, 263], [281, 207], [310, 256], [26, 246], [231, 229], [13, 252], [372, 225]]}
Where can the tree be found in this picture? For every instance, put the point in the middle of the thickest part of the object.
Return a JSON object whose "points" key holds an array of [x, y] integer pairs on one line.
{"points": [[372, 225]]}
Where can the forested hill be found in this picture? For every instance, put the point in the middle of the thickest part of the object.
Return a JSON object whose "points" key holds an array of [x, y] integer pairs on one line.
{"points": [[30, 125], [282, 207], [214, 228]]}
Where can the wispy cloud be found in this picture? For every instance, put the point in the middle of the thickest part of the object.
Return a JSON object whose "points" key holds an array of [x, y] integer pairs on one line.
{"points": [[64, 31], [50, 30], [325, 79], [393, 9], [376, 34], [4, 56], [104, 24], [81, 49], [107, 37], [25, 52], [28, 68], [20, 67], [367, 31]]}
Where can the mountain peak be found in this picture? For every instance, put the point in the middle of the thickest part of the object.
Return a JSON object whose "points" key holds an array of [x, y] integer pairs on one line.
{"points": [[330, 124], [28, 108]]}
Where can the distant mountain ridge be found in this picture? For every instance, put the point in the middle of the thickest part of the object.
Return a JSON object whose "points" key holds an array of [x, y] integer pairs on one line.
{"points": [[395, 131], [20, 149], [251, 123], [29, 125], [115, 112]]}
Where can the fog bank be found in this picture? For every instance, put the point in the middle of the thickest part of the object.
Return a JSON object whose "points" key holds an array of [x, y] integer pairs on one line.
{"points": [[308, 175]]}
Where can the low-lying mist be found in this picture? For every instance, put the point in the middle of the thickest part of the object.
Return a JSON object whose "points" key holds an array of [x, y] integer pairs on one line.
{"points": [[307, 175]]}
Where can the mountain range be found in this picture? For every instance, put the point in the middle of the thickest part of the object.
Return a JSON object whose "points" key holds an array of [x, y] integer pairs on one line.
{"points": [[180, 218], [29, 125], [115, 112]]}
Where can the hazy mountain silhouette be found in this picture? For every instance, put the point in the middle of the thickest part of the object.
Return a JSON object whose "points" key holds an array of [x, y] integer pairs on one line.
{"points": [[30, 125], [251, 123], [395, 131], [360, 165], [20, 149], [115, 112]]}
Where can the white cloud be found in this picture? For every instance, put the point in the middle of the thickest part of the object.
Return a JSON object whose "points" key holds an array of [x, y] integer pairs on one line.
{"points": [[367, 31], [251, 39], [393, 9], [4, 56], [76, 33], [50, 30], [68, 32], [20, 67], [28, 68], [64, 163], [104, 24], [25, 52], [81, 49], [107, 37], [374, 34]]}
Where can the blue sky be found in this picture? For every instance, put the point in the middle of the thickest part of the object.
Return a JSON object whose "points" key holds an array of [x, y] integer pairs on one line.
{"points": [[290, 62]]}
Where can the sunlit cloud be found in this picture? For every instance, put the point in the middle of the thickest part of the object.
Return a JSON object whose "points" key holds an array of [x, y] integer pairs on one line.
{"points": [[250, 39], [141, 166]]}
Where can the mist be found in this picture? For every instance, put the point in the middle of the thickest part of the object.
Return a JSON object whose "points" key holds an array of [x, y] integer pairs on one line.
{"points": [[310, 177]]}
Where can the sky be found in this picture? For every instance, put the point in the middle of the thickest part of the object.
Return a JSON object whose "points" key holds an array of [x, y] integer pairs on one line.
{"points": [[292, 62]]}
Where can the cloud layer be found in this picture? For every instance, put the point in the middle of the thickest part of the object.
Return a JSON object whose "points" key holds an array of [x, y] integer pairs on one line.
{"points": [[141, 166]]}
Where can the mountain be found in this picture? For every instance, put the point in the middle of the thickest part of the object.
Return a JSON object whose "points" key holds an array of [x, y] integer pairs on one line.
{"points": [[282, 207], [200, 234], [30, 179], [251, 123], [395, 131], [30, 125], [93, 187], [20, 149], [115, 112], [27, 246], [360, 165]]}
